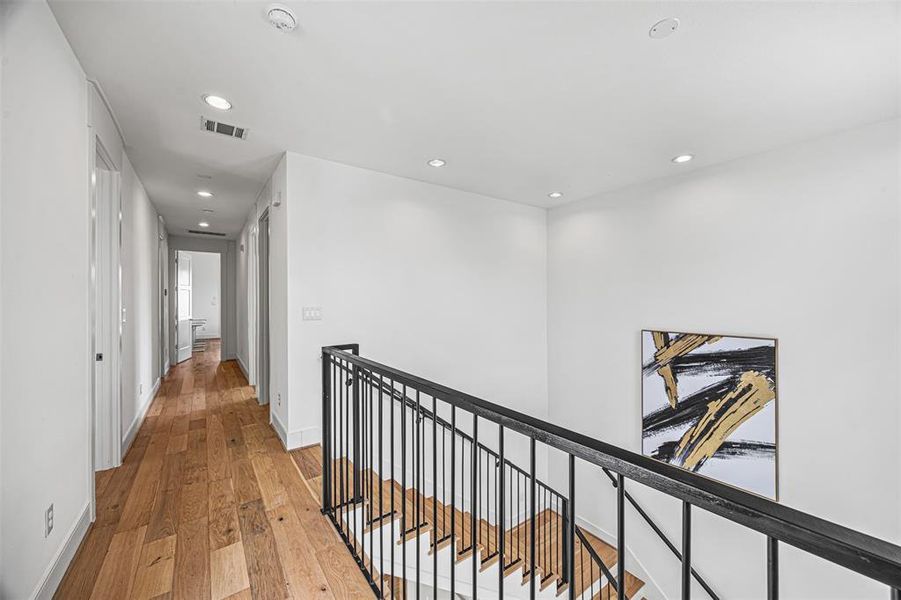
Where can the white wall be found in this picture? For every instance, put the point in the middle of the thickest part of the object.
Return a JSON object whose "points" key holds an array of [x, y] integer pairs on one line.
{"points": [[205, 292], [44, 281], [801, 244], [442, 283], [140, 299]]}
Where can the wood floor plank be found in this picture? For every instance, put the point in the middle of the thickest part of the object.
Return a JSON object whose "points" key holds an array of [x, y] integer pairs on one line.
{"points": [[228, 570], [118, 570], [155, 569], [192, 561], [267, 578]]}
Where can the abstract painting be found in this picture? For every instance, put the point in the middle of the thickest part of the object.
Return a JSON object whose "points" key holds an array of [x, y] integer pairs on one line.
{"points": [[709, 406]]}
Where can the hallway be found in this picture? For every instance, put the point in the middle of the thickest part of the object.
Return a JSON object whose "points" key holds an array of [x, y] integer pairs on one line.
{"points": [[207, 504]]}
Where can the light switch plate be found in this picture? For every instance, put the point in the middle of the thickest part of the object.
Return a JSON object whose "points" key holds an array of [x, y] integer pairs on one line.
{"points": [[312, 313]]}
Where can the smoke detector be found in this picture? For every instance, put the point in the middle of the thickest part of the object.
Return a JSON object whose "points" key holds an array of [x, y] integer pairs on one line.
{"points": [[281, 17]]}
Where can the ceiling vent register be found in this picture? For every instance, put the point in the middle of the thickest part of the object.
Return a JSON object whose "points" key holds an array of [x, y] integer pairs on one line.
{"points": [[213, 233], [232, 131]]}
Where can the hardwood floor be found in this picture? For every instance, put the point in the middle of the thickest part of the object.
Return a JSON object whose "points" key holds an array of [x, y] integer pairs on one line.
{"points": [[208, 505]]}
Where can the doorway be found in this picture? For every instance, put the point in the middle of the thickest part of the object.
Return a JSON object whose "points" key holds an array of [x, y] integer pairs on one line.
{"points": [[262, 379], [198, 302], [106, 309]]}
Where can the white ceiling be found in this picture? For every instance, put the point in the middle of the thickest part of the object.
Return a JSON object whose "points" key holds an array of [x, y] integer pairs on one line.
{"points": [[519, 98]]}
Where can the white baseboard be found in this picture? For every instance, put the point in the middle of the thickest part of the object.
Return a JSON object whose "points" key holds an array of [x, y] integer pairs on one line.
{"points": [[139, 419], [243, 368], [54, 574], [294, 439]]}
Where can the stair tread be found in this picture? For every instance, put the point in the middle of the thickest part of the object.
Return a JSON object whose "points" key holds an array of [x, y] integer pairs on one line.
{"points": [[377, 495]]}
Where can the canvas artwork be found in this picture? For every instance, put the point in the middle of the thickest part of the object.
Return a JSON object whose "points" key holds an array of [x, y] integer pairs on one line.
{"points": [[709, 406]]}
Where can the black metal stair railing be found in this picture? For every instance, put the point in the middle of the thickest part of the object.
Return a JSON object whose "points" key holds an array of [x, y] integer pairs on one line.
{"points": [[386, 433]]}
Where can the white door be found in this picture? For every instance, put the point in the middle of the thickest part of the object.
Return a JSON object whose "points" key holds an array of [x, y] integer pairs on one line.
{"points": [[183, 301], [106, 331]]}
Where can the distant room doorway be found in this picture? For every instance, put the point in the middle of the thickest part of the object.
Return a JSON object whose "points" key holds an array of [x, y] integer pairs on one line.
{"points": [[198, 302]]}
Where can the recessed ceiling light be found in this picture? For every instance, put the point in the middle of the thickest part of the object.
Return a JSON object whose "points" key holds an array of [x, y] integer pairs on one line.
{"points": [[217, 102], [281, 17], [664, 28], [683, 158], [203, 224], [555, 195], [207, 210], [437, 162], [205, 194]]}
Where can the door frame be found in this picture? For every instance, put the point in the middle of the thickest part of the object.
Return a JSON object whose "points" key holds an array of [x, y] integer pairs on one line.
{"points": [[263, 360], [106, 410]]}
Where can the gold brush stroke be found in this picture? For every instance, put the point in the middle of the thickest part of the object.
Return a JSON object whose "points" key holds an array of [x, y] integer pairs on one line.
{"points": [[749, 397], [666, 371], [667, 352]]}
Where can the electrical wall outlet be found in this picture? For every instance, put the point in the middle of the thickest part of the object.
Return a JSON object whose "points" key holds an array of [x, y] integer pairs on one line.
{"points": [[48, 520], [278, 399]]}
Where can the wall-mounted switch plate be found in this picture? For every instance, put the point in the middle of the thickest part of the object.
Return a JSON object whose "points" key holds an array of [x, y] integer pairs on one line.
{"points": [[312, 313]]}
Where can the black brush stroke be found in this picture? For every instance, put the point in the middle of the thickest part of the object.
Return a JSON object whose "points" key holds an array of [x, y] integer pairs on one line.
{"points": [[725, 362], [737, 449], [689, 410]]}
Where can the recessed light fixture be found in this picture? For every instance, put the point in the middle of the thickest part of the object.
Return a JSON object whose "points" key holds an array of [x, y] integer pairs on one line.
{"points": [[664, 28], [205, 194], [281, 17], [207, 210], [555, 195], [203, 224], [682, 158], [437, 162], [217, 102]]}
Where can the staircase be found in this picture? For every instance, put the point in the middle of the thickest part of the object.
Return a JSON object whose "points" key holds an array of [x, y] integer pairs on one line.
{"points": [[372, 519], [425, 504]]}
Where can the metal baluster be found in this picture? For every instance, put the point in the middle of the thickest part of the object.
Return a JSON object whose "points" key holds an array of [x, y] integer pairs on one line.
{"points": [[686, 551], [532, 589], [453, 554], [772, 568], [336, 425], [381, 496], [501, 506], [403, 488], [371, 469], [435, 494], [418, 485], [474, 534], [571, 527], [391, 466], [326, 433], [356, 400], [343, 453], [620, 537]]}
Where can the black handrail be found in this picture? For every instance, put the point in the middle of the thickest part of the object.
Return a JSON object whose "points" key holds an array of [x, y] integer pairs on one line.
{"points": [[859, 552]]}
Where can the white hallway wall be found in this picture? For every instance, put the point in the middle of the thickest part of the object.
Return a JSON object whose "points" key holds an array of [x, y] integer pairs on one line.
{"points": [[141, 300], [44, 285], [205, 292], [430, 279], [51, 110], [801, 244]]}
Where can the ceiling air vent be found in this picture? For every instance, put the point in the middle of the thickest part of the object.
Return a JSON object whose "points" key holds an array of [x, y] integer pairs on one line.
{"points": [[213, 233], [232, 131]]}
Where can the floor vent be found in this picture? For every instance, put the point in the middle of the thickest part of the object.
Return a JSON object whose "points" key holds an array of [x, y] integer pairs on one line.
{"points": [[213, 233], [232, 131]]}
